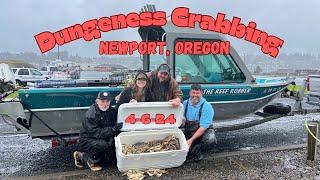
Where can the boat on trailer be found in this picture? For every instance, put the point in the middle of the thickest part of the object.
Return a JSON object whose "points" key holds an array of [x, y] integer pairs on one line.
{"points": [[227, 84]]}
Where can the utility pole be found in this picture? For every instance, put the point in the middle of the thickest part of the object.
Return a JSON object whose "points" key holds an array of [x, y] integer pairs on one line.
{"points": [[58, 53]]}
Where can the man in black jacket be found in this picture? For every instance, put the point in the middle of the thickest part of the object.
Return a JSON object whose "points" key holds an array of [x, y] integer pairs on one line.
{"points": [[97, 134]]}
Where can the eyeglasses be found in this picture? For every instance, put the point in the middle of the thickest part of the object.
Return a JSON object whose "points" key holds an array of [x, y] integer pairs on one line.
{"points": [[142, 79]]}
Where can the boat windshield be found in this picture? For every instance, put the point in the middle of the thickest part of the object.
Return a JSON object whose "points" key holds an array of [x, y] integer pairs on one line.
{"points": [[207, 69], [155, 61]]}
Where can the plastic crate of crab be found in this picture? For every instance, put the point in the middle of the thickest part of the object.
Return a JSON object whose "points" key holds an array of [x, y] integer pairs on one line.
{"points": [[151, 137]]}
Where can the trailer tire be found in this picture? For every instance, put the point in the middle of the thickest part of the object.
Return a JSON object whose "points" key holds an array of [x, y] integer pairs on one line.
{"points": [[277, 108]]}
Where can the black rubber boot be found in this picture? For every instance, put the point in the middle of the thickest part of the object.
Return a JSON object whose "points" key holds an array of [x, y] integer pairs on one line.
{"points": [[196, 152], [198, 157]]}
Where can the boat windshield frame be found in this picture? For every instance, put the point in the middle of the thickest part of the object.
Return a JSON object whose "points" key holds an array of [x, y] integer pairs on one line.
{"points": [[196, 58]]}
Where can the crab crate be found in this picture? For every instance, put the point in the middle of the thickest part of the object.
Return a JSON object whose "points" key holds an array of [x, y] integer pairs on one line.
{"points": [[145, 122]]}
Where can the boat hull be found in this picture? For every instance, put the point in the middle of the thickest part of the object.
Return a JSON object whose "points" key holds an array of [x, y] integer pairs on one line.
{"points": [[232, 110], [68, 121]]}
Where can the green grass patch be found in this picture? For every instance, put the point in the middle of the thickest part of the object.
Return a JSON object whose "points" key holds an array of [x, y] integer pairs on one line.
{"points": [[13, 95]]}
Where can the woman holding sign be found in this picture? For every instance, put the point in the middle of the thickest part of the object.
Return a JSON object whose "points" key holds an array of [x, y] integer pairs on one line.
{"points": [[138, 92]]}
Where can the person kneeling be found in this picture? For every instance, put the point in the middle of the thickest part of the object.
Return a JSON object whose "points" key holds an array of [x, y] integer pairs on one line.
{"points": [[198, 114], [97, 134]]}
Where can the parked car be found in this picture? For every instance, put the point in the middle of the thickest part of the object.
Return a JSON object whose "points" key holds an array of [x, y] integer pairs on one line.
{"points": [[313, 87], [54, 73], [314, 83], [24, 75], [46, 70]]}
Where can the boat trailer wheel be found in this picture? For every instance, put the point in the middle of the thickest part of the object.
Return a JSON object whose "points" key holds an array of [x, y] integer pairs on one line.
{"points": [[277, 108]]}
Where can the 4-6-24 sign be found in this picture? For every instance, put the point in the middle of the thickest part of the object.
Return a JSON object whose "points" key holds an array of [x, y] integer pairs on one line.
{"points": [[147, 119]]}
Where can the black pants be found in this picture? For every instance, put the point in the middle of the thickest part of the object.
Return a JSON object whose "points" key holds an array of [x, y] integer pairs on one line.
{"points": [[190, 129], [97, 150]]}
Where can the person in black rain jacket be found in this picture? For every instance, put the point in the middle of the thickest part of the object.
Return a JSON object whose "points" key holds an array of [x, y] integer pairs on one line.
{"points": [[97, 134]]}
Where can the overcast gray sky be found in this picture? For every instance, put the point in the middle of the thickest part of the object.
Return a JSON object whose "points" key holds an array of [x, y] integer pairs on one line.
{"points": [[295, 21]]}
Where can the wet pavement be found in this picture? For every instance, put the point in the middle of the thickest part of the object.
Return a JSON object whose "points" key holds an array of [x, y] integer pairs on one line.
{"points": [[23, 156]]}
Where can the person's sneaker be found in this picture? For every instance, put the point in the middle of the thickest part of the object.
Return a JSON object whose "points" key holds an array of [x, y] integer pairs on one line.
{"points": [[77, 156], [93, 166], [198, 157]]}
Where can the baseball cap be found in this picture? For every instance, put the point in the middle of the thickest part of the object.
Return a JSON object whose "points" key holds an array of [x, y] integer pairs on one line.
{"points": [[164, 68], [104, 95], [141, 75]]}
